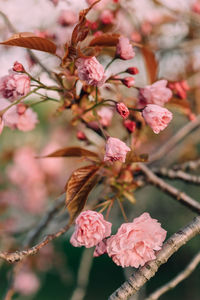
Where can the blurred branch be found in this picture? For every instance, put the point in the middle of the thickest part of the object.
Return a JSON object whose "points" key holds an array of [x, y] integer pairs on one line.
{"points": [[30, 52], [174, 282], [169, 189], [83, 274], [143, 274], [35, 232], [179, 174], [188, 165], [19, 255], [168, 146]]}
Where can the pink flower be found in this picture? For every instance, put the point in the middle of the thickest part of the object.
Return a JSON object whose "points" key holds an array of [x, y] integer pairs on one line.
{"points": [[107, 17], [26, 283], [100, 248], [130, 125], [156, 117], [115, 150], [124, 49], [180, 88], [135, 243], [90, 229], [14, 86], [17, 67], [157, 93], [105, 114], [132, 70], [18, 116], [122, 110], [67, 17], [91, 71], [128, 81]]}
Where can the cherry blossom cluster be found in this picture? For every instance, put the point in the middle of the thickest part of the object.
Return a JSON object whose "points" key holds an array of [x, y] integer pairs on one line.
{"points": [[133, 245]]}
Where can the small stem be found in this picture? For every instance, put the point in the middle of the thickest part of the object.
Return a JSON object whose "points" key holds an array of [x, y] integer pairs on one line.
{"points": [[122, 210], [109, 63], [17, 101]]}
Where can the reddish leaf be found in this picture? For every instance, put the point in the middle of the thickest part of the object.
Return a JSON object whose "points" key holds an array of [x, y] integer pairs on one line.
{"points": [[151, 64], [78, 187], [105, 39], [31, 41], [72, 152], [80, 31]]}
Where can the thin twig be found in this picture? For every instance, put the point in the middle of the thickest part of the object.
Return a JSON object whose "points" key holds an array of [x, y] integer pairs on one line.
{"points": [[83, 275], [191, 165], [175, 281], [143, 274], [171, 190], [171, 143]]}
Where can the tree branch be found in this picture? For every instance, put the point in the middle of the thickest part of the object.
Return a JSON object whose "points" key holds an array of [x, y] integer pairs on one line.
{"points": [[179, 174], [168, 146], [169, 189], [143, 274], [174, 282]]}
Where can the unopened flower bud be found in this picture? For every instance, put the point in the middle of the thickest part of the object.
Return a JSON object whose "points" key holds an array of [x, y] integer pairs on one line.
{"points": [[130, 125], [122, 110], [128, 81], [17, 67], [132, 70], [81, 135]]}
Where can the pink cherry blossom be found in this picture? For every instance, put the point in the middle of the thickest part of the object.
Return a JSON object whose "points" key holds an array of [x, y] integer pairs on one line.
{"points": [[157, 93], [128, 81], [115, 150], [100, 248], [91, 71], [157, 117], [18, 116], [67, 17], [107, 17], [90, 229], [180, 88], [14, 85], [135, 243], [26, 283], [122, 109], [105, 114], [124, 49]]}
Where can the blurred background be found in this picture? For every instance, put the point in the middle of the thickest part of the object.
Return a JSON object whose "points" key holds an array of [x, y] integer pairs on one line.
{"points": [[28, 186]]}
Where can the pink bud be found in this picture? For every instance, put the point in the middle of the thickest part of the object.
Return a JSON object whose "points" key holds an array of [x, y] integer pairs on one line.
{"points": [[196, 7], [116, 150], [107, 17], [81, 135], [128, 81], [136, 37], [122, 110], [17, 67], [124, 49], [130, 125], [157, 117], [132, 70]]}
